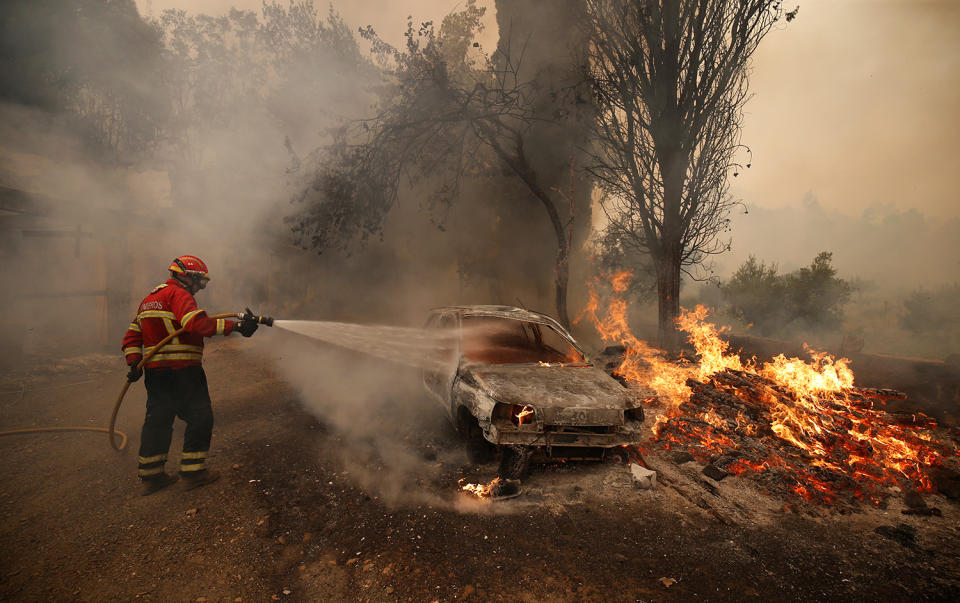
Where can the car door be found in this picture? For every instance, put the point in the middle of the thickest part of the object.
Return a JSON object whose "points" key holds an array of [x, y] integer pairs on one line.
{"points": [[439, 382]]}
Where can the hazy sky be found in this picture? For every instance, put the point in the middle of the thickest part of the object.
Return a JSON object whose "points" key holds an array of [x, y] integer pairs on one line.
{"points": [[857, 101]]}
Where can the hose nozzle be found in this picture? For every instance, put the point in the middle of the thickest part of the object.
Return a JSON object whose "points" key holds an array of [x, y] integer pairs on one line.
{"points": [[248, 315]]}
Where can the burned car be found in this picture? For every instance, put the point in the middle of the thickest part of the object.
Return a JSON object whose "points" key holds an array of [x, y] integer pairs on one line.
{"points": [[519, 381]]}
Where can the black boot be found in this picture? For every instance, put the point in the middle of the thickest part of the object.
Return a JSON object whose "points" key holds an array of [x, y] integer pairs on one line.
{"points": [[156, 483]]}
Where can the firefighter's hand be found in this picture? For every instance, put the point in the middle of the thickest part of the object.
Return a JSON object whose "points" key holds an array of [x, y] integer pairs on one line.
{"points": [[246, 327], [135, 373]]}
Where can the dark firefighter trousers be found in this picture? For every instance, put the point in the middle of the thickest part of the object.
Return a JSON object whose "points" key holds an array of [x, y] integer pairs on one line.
{"points": [[175, 393]]}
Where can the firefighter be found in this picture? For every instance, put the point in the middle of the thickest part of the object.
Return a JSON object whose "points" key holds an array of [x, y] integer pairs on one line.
{"points": [[175, 381]]}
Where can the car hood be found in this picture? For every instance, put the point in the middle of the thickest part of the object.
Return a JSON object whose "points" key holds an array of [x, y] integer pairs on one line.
{"points": [[550, 386]]}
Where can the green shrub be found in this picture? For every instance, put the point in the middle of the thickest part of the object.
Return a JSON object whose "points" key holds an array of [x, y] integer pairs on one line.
{"points": [[755, 295], [808, 299]]}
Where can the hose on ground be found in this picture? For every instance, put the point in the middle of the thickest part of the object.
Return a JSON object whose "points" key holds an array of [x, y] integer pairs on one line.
{"points": [[111, 431], [123, 436]]}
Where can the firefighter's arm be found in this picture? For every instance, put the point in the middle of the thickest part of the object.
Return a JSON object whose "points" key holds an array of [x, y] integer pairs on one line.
{"points": [[195, 320], [133, 343]]}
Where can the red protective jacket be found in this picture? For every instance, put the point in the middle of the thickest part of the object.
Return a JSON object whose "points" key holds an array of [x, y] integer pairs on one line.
{"points": [[168, 308]]}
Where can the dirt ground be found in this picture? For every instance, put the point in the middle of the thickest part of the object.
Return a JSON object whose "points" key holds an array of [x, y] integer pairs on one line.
{"points": [[288, 521]]}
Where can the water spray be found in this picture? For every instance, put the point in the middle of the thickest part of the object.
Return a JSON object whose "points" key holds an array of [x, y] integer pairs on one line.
{"points": [[428, 349]]}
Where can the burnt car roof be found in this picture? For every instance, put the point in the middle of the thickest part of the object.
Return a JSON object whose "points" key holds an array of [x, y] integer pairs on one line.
{"points": [[506, 312]]}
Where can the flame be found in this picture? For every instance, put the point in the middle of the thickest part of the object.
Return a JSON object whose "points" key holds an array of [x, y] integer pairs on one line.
{"points": [[525, 413], [620, 280], [816, 416], [808, 380], [833, 444], [480, 490], [705, 337], [743, 465], [713, 419], [641, 363]]}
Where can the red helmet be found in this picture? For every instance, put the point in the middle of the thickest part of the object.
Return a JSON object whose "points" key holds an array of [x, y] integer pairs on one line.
{"points": [[190, 266]]}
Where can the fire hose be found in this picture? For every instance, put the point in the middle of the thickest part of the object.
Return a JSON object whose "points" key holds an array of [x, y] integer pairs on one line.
{"points": [[111, 431], [261, 320]]}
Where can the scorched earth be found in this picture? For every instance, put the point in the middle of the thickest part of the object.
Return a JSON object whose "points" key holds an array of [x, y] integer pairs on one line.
{"points": [[293, 519]]}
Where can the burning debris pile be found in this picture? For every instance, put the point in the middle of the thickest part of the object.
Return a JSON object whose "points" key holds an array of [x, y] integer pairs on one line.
{"points": [[827, 448], [800, 429]]}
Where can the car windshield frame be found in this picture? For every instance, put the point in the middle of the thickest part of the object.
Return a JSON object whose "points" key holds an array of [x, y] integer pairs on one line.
{"points": [[538, 327]]}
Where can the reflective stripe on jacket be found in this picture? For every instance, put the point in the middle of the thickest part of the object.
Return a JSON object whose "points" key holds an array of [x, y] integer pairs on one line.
{"points": [[168, 308]]}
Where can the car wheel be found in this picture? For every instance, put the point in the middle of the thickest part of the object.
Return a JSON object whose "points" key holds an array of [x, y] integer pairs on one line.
{"points": [[515, 462], [479, 450]]}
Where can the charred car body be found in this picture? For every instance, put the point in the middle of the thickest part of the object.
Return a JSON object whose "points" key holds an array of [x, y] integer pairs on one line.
{"points": [[520, 381]]}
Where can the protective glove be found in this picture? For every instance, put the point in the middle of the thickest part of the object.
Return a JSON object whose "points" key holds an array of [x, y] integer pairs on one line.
{"points": [[246, 327], [135, 373]]}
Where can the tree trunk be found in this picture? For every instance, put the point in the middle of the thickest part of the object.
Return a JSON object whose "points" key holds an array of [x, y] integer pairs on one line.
{"points": [[672, 159], [674, 166], [668, 296], [518, 163]]}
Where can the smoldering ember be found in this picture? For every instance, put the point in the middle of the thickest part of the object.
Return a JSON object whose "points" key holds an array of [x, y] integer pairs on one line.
{"points": [[605, 300]]}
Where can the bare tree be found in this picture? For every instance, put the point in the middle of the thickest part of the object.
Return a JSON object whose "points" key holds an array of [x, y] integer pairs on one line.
{"points": [[447, 113], [670, 81]]}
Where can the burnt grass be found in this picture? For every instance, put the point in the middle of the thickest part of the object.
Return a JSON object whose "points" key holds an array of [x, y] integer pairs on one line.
{"points": [[613, 551], [286, 523]]}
